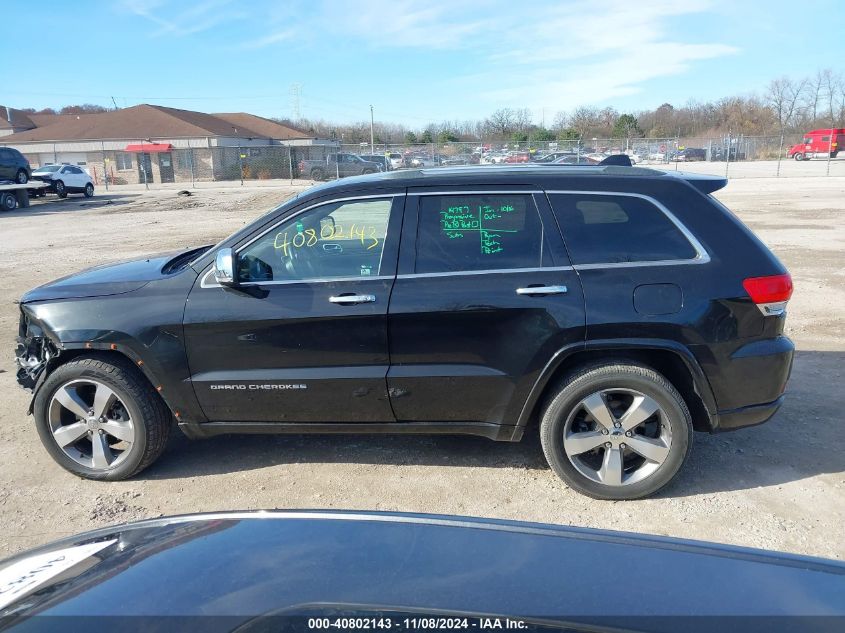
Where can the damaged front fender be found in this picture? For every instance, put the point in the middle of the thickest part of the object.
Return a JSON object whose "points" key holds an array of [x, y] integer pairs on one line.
{"points": [[33, 353]]}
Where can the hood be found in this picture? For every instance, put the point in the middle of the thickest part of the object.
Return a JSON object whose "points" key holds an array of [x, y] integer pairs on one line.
{"points": [[102, 281]]}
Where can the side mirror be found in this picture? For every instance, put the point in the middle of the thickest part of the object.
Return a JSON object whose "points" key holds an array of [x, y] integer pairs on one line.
{"points": [[224, 267]]}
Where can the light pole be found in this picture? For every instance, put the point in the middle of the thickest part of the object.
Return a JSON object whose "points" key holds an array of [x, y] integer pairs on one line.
{"points": [[372, 137]]}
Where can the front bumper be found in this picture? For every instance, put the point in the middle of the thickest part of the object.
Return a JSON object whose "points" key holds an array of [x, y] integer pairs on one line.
{"points": [[51, 185]]}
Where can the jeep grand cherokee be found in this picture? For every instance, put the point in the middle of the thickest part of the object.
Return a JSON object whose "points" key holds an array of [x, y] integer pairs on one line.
{"points": [[612, 310]]}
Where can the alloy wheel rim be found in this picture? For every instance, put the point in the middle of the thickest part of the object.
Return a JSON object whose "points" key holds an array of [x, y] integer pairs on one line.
{"points": [[90, 424], [617, 437]]}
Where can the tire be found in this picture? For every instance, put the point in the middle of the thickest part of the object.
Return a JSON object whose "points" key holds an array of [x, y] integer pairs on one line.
{"points": [[318, 174], [61, 190], [8, 202], [21, 177], [367, 171], [138, 412], [799, 156], [89, 190], [667, 431]]}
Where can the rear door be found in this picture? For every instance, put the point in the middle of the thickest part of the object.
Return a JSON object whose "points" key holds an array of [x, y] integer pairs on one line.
{"points": [[304, 336], [484, 297]]}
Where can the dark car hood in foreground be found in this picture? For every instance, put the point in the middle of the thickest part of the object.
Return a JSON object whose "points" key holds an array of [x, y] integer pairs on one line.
{"points": [[244, 565], [100, 281]]}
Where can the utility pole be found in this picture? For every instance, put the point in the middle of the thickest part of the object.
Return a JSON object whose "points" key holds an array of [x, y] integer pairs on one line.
{"points": [[372, 137]]}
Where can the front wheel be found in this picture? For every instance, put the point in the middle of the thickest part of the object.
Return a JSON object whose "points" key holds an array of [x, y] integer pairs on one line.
{"points": [[21, 177], [317, 174], [61, 190], [89, 190], [616, 431], [799, 156], [99, 418]]}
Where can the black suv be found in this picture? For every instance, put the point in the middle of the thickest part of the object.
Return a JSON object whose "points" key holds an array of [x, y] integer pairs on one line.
{"points": [[14, 166], [616, 308]]}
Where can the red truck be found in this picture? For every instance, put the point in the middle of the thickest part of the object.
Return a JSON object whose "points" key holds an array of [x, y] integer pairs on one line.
{"points": [[817, 143]]}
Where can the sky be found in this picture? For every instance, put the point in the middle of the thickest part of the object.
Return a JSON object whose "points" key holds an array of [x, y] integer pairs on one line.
{"points": [[414, 62]]}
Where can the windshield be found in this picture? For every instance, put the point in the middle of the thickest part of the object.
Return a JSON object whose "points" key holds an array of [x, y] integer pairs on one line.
{"points": [[47, 169]]}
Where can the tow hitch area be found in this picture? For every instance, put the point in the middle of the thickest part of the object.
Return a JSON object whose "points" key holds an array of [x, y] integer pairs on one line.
{"points": [[32, 355]]}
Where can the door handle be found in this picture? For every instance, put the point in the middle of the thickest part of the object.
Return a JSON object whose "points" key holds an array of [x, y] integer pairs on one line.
{"points": [[542, 290], [352, 299]]}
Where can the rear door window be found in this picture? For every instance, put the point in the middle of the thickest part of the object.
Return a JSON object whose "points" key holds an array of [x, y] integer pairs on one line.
{"points": [[609, 229], [478, 232]]}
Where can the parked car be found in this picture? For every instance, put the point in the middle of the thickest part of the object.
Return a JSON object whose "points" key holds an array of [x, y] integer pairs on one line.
{"points": [[424, 160], [689, 154], [518, 157], [396, 160], [14, 166], [549, 157], [288, 327], [380, 159], [340, 165], [65, 179], [818, 143], [575, 159], [455, 160], [306, 570]]}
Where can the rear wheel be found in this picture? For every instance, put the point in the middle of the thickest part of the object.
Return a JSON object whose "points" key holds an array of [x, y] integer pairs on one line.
{"points": [[8, 202], [100, 419], [368, 171], [21, 177], [89, 190], [616, 431], [61, 190], [318, 174]]}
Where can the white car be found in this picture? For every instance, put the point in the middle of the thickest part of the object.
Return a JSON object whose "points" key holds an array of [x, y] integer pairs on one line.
{"points": [[396, 160], [65, 179]]}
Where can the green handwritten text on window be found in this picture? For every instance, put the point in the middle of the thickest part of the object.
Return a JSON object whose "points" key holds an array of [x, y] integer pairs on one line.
{"points": [[482, 220]]}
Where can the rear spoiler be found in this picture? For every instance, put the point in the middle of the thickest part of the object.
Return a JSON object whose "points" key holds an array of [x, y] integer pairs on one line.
{"points": [[705, 183], [620, 160]]}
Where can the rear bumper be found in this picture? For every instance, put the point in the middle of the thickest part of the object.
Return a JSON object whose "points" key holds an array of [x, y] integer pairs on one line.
{"points": [[747, 416], [748, 382]]}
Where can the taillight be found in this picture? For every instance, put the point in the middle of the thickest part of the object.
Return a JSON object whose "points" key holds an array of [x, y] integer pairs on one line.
{"points": [[769, 293]]}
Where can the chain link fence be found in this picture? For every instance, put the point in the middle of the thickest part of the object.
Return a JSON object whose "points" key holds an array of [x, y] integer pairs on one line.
{"points": [[732, 156]]}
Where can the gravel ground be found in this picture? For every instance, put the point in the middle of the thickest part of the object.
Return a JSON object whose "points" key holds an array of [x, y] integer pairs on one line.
{"points": [[780, 486]]}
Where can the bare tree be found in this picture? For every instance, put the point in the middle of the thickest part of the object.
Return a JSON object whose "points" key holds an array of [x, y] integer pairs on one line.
{"points": [[502, 121], [783, 96]]}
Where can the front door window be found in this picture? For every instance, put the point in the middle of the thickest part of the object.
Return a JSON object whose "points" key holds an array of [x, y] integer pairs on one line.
{"points": [[335, 240]]}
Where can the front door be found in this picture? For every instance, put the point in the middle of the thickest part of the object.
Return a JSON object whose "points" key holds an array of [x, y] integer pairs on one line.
{"points": [[484, 297], [145, 168], [165, 167], [304, 337]]}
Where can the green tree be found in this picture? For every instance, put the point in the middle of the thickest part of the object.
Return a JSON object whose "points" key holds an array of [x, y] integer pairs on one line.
{"points": [[519, 137], [542, 135], [447, 136], [626, 126], [426, 137], [568, 134], [410, 138]]}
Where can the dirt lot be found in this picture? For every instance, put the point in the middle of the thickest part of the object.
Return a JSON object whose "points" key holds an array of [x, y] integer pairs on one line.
{"points": [[779, 486]]}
